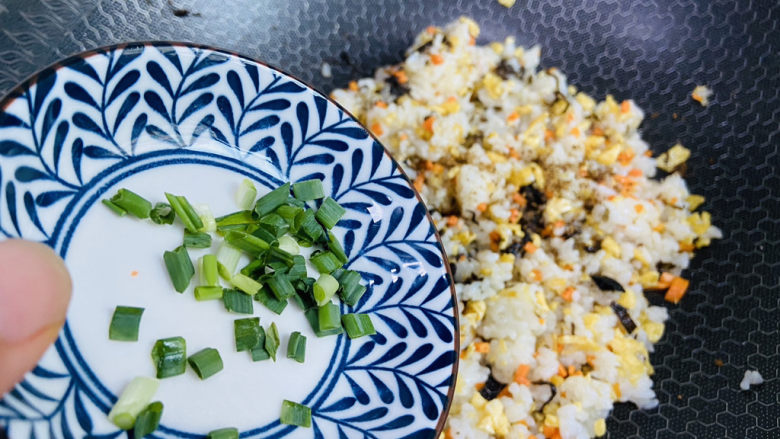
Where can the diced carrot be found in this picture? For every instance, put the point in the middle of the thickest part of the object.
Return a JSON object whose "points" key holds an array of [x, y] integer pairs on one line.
{"points": [[494, 236], [666, 278], [437, 168], [452, 99], [547, 231], [636, 173], [353, 85], [687, 247], [482, 347], [697, 97], [428, 165], [479, 386], [559, 348], [482, 207], [513, 116], [530, 248], [551, 432], [472, 41], [504, 393], [676, 290], [436, 59], [428, 123], [570, 117], [626, 156], [575, 132], [401, 77], [673, 201], [548, 135], [537, 275], [376, 128], [558, 224], [430, 30], [562, 371], [570, 370], [463, 354], [419, 181], [648, 153], [530, 436], [134, 273], [521, 375], [514, 215], [452, 220], [597, 131], [625, 107], [381, 104], [519, 199], [590, 359], [514, 154], [541, 322], [639, 208], [568, 294], [447, 434], [549, 193], [611, 198]]}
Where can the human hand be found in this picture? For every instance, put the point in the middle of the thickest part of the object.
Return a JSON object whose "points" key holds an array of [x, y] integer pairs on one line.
{"points": [[35, 289]]}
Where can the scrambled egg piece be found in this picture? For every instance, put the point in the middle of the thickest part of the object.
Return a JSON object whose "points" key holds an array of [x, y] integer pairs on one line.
{"points": [[674, 157]]}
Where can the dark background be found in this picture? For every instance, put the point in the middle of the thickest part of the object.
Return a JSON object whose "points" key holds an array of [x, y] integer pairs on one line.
{"points": [[654, 51]]}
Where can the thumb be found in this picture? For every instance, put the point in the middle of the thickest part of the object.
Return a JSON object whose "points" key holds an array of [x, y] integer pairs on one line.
{"points": [[35, 289]]}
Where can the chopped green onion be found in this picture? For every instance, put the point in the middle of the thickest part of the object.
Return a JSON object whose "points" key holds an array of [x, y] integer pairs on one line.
{"points": [[247, 333], [280, 285], [325, 262], [133, 400], [272, 340], [207, 218], [132, 202], [288, 244], [351, 289], [242, 217], [275, 254], [312, 315], [246, 284], [223, 433], [244, 241], [197, 240], [162, 213], [335, 246], [125, 323], [206, 362], [298, 268], [294, 202], [209, 270], [228, 257], [258, 352], [358, 325], [267, 298], [148, 420], [203, 293], [329, 317], [116, 209], [308, 190], [306, 224], [304, 295], [274, 224], [329, 213], [246, 193], [288, 212], [254, 269], [237, 302], [295, 414], [185, 212], [296, 347], [270, 201], [179, 267], [170, 356], [325, 288]]}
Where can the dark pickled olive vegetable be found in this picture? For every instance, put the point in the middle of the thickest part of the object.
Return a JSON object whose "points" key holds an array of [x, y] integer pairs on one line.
{"points": [[607, 283], [533, 214], [396, 88], [625, 319], [553, 392], [505, 70], [517, 248], [492, 388]]}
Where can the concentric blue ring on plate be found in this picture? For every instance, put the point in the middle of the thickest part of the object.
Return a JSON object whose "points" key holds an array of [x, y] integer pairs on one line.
{"points": [[156, 112]]}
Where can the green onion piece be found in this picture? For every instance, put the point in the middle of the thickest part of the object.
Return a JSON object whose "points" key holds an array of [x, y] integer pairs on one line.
{"points": [[162, 213], [116, 209], [148, 420], [358, 325], [237, 302], [244, 241], [247, 333], [325, 262], [274, 224], [288, 212], [207, 218], [224, 230], [179, 267], [298, 268], [258, 352], [335, 247], [304, 294], [125, 323], [203, 293], [308, 190], [185, 212], [280, 285], [312, 315], [197, 240], [270, 201], [306, 225], [209, 270], [132, 202], [296, 347], [272, 341], [133, 400], [228, 257], [246, 193], [295, 414], [254, 269], [329, 213], [206, 362], [325, 288], [223, 433], [337, 273], [288, 244], [275, 254], [246, 284], [294, 202], [329, 317], [351, 289], [242, 217], [170, 356], [267, 298]]}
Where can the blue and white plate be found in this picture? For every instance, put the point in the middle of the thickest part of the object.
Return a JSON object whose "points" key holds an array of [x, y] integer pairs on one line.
{"points": [[195, 121]]}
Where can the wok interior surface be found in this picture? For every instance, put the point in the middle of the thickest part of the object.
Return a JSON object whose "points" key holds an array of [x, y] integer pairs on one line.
{"points": [[654, 52]]}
